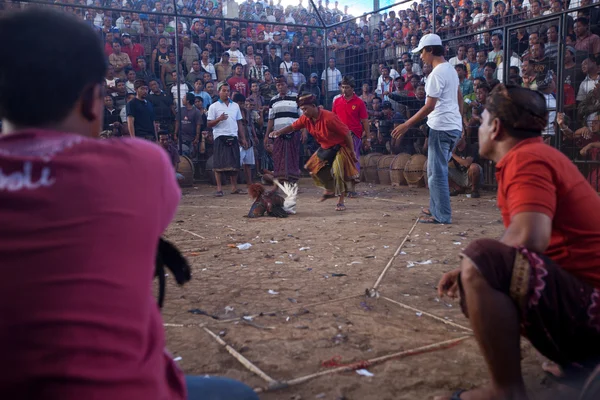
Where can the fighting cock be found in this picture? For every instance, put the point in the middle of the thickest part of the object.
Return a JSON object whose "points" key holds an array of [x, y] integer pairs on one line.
{"points": [[168, 255], [271, 202]]}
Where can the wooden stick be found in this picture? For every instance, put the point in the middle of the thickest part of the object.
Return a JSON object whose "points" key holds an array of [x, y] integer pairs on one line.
{"points": [[243, 360], [192, 233], [289, 309], [184, 325], [419, 350], [445, 321], [389, 264]]}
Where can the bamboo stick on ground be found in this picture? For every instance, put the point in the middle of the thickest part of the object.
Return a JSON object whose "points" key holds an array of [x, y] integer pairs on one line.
{"points": [[445, 321], [389, 264], [243, 360], [406, 353]]}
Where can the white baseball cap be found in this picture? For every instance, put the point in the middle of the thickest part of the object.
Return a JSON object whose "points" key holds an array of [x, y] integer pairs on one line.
{"points": [[431, 39]]}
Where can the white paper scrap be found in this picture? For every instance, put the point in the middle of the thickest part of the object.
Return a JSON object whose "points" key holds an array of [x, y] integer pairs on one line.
{"points": [[364, 372]]}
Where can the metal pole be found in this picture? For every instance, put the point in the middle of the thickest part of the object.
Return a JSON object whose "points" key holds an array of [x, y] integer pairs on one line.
{"points": [[560, 94], [506, 56], [433, 11], [178, 64], [326, 67]]}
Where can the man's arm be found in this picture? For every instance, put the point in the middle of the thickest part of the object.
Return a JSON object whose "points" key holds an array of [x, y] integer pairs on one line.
{"points": [[269, 130], [423, 112], [466, 162], [531, 230], [460, 101], [130, 125], [241, 133]]}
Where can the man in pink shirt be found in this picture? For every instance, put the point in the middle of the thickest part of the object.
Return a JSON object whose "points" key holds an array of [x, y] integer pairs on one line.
{"points": [[81, 219]]}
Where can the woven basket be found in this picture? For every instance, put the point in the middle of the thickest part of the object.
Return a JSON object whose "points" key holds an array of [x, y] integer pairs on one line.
{"points": [[383, 169], [186, 168], [371, 167], [414, 171], [397, 169]]}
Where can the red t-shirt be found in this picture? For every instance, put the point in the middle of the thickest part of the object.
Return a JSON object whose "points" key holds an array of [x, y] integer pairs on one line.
{"points": [[534, 177], [134, 52], [81, 219], [239, 85], [351, 112], [328, 130]]}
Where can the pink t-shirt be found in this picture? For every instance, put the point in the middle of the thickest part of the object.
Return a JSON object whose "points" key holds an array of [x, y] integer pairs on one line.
{"points": [[80, 220]]}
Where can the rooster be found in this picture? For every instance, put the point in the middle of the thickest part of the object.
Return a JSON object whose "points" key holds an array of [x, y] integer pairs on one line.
{"points": [[270, 201], [168, 255]]}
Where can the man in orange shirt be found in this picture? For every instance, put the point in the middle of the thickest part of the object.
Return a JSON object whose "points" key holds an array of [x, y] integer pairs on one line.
{"points": [[332, 166], [542, 278]]}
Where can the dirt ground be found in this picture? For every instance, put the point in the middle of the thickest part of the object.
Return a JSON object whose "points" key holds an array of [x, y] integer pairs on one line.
{"points": [[295, 262]]}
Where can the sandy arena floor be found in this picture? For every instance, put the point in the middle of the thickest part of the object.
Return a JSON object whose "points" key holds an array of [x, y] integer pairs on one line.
{"points": [[317, 256]]}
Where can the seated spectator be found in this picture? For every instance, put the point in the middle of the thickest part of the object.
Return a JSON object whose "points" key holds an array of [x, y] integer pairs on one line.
{"points": [[465, 85], [223, 68], [591, 80], [464, 169], [195, 73], [119, 60], [142, 70], [169, 146], [586, 41]]}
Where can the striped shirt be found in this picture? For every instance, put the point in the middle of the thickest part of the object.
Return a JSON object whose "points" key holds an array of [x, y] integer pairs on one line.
{"points": [[284, 110]]}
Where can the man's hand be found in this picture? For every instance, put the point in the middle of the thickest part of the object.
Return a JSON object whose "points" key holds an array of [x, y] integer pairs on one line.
{"points": [[585, 150], [223, 117], [399, 131], [244, 144], [274, 134], [196, 140], [448, 285], [560, 120]]}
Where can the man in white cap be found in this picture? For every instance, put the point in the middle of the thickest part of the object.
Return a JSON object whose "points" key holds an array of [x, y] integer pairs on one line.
{"points": [[443, 109]]}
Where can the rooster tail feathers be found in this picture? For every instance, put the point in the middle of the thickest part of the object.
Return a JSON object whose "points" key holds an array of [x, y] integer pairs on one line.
{"points": [[287, 188]]}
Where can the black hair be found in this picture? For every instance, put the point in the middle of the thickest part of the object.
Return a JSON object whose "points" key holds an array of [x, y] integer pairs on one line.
{"points": [[238, 97], [190, 98], [461, 66], [437, 51], [490, 64], [69, 73]]}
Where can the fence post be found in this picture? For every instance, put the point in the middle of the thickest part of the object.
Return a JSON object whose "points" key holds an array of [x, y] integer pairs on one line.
{"points": [[560, 67], [178, 82], [433, 11]]}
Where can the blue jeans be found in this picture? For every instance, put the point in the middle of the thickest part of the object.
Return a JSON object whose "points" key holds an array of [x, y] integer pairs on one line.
{"points": [[440, 145], [217, 388]]}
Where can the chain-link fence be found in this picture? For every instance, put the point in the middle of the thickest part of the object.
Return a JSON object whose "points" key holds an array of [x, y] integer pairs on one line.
{"points": [[186, 47]]}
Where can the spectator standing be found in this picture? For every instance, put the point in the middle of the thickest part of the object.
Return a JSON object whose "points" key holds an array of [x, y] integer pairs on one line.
{"points": [[140, 114], [331, 79], [188, 125], [443, 109], [224, 117]]}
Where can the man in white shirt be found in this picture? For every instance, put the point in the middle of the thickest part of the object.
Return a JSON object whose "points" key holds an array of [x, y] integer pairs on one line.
{"points": [[461, 56], [591, 80], [235, 56], [225, 120], [207, 66], [443, 109], [331, 79]]}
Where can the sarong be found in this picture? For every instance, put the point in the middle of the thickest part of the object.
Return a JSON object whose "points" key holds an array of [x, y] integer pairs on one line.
{"points": [[226, 157], [357, 146], [286, 157], [339, 177], [560, 314]]}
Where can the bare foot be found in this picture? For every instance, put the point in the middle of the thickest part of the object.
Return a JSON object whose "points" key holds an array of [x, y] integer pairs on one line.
{"points": [[553, 368]]}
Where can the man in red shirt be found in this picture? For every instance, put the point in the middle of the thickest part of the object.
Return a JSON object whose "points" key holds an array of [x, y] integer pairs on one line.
{"points": [[352, 111], [237, 82], [542, 278], [133, 50], [81, 219]]}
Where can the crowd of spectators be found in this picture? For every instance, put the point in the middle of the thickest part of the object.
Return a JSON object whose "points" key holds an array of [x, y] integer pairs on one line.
{"points": [[252, 43]]}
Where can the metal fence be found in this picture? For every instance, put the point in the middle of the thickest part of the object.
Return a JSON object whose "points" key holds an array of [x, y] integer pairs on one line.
{"points": [[162, 37]]}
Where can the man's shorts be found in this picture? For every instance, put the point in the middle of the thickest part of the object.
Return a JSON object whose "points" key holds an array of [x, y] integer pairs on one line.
{"points": [[247, 156], [461, 178]]}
